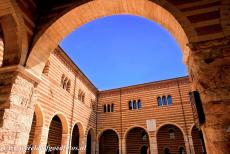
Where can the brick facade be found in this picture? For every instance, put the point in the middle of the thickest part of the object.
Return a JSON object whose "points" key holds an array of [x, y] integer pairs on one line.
{"points": [[68, 119]]}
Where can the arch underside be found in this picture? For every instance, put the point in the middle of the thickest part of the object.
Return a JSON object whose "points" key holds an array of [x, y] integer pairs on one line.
{"points": [[55, 33]]}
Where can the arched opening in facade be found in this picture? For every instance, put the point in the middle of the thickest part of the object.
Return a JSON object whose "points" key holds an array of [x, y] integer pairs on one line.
{"points": [[39, 53], [31, 137], [91, 141], [77, 138], [198, 141], [36, 129], [57, 135], [170, 139], [137, 141], [109, 142]]}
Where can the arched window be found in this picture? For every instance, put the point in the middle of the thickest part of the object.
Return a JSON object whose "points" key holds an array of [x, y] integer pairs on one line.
{"points": [[139, 104], [104, 108], [169, 100], [130, 105], [159, 102], [62, 80], [164, 101], [65, 83], [112, 107], [181, 150], [68, 86], [134, 104], [171, 134], [108, 107], [166, 151]]}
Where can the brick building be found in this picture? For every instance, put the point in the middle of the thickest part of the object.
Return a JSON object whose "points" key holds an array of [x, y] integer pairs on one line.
{"points": [[147, 118]]}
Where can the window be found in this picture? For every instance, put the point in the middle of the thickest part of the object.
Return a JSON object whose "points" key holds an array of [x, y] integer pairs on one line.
{"points": [[65, 83], [112, 107], [169, 100], [164, 101], [134, 104], [159, 102], [171, 134], [68, 86], [108, 108], [139, 104], [104, 108], [130, 105], [81, 96]]}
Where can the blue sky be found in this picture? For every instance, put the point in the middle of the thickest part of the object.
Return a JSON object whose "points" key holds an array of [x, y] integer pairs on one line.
{"points": [[124, 50]]}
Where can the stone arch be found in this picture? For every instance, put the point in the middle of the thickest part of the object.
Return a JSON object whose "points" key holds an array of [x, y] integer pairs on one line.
{"points": [[108, 142], [58, 131], [170, 123], [102, 131], [52, 36], [15, 35], [197, 139], [127, 131], [91, 141], [171, 141], [135, 138], [64, 121], [36, 128], [78, 136]]}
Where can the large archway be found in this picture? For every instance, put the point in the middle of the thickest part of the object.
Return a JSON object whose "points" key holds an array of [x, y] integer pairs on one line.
{"points": [[198, 141], [109, 142], [137, 141], [170, 139], [77, 138], [57, 136], [36, 130], [91, 141], [50, 38]]}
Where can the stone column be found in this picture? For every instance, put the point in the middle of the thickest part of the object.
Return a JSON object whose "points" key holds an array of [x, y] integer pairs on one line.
{"points": [[17, 102], [65, 143], [153, 143], [209, 69], [188, 144], [97, 147], [122, 147], [40, 140]]}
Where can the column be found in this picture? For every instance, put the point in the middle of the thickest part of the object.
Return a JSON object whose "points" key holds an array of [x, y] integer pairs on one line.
{"points": [[17, 99], [122, 146], [65, 143], [153, 143], [209, 69], [188, 144]]}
